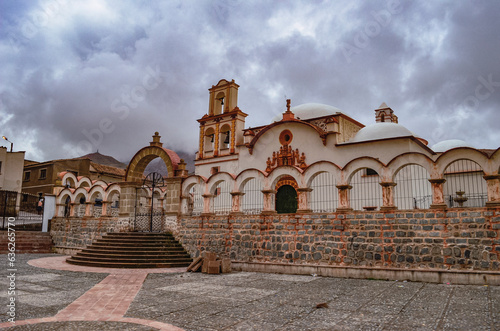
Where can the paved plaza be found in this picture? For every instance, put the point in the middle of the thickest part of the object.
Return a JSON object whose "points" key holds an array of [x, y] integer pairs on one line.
{"points": [[53, 295]]}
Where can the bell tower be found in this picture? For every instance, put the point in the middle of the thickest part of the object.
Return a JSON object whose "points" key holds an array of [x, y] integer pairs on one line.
{"points": [[385, 114], [221, 130]]}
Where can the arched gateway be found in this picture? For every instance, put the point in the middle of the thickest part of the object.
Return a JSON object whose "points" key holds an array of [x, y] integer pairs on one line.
{"points": [[143, 157], [167, 198]]}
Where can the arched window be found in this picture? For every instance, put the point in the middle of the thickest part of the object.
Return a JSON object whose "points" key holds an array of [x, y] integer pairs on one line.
{"points": [[222, 200], [324, 194], [465, 185], [80, 206], [413, 189], [195, 201], [366, 192], [67, 206], [253, 199]]}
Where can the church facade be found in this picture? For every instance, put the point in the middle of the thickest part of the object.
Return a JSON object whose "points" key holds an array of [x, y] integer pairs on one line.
{"points": [[316, 158], [313, 191]]}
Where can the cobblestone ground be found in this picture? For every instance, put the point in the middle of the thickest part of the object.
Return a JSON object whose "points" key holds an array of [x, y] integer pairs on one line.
{"points": [[42, 292], [253, 301]]}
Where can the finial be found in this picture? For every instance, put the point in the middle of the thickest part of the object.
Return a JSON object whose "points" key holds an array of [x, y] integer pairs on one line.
{"points": [[288, 115], [156, 140]]}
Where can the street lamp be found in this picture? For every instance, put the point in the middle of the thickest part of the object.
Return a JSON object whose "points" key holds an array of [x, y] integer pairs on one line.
{"points": [[11, 143]]}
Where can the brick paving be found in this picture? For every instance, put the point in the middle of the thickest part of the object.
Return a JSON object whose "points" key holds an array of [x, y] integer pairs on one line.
{"points": [[53, 295]]}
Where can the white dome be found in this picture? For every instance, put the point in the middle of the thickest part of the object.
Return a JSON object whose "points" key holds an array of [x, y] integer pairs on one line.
{"points": [[310, 110], [382, 130], [446, 145]]}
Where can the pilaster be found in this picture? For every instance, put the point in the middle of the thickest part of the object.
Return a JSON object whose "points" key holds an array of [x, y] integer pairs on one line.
{"points": [[437, 193]]}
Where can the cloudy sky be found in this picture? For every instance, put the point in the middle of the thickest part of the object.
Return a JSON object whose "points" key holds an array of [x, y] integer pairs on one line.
{"points": [[77, 76]]}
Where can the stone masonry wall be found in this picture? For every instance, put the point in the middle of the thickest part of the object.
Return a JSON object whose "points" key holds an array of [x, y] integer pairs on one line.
{"points": [[70, 234], [456, 239]]}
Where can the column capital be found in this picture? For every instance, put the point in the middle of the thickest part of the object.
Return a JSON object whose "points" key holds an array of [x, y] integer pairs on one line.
{"points": [[491, 177], [388, 184], [437, 180], [344, 187], [236, 193], [269, 191]]}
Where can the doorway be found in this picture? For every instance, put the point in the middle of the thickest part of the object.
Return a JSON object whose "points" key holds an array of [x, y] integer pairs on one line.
{"points": [[286, 200]]}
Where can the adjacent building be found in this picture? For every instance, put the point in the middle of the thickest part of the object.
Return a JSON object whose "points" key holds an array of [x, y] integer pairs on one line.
{"points": [[11, 170], [42, 177]]}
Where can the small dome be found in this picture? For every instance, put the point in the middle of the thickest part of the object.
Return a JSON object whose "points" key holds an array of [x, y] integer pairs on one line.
{"points": [[382, 130], [310, 110], [446, 145]]}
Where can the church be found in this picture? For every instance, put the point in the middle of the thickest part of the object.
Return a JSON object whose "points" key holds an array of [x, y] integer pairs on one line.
{"points": [[317, 158], [313, 191]]}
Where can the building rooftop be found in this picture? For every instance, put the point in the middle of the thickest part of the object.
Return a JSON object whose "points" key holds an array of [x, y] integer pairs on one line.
{"points": [[311, 110], [383, 130], [446, 145]]}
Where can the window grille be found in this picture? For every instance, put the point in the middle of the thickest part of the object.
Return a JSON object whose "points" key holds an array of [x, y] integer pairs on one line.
{"points": [[324, 194], [252, 201], [196, 199], [366, 192], [413, 189], [465, 185], [222, 200]]}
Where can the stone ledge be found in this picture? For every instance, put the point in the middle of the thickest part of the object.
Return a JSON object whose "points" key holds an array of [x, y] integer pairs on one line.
{"points": [[67, 250], [462, 277]]}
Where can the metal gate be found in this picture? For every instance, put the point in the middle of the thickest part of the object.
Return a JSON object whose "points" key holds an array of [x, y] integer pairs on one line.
{"points": [[26, 210], [149, 217], [149, 221]]}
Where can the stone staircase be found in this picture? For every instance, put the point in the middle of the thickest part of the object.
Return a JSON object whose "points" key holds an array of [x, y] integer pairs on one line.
{"points": [[133, 250], [27, 242]]}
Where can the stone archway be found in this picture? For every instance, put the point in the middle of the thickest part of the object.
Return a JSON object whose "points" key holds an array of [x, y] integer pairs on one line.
{"points": [[144, 156], [134, 177]]}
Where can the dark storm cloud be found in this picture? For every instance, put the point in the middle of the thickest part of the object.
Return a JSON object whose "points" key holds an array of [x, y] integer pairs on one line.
{"points": [[107, 74]]}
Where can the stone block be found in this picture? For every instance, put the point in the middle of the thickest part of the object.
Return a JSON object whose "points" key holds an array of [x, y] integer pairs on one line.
{"points": [[213, 267], [226, 265]]}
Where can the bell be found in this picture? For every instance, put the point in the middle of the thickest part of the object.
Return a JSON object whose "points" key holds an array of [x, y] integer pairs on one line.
{"points": [[226, 141]]}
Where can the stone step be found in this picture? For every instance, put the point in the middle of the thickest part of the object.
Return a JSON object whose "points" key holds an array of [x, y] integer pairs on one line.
{"points": [[27, 242], [128, 265], [125, 242], [138, 239], [135, 247], [139, 234], [133, 250], [131, 256], [126, 259], [92, 249]]}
